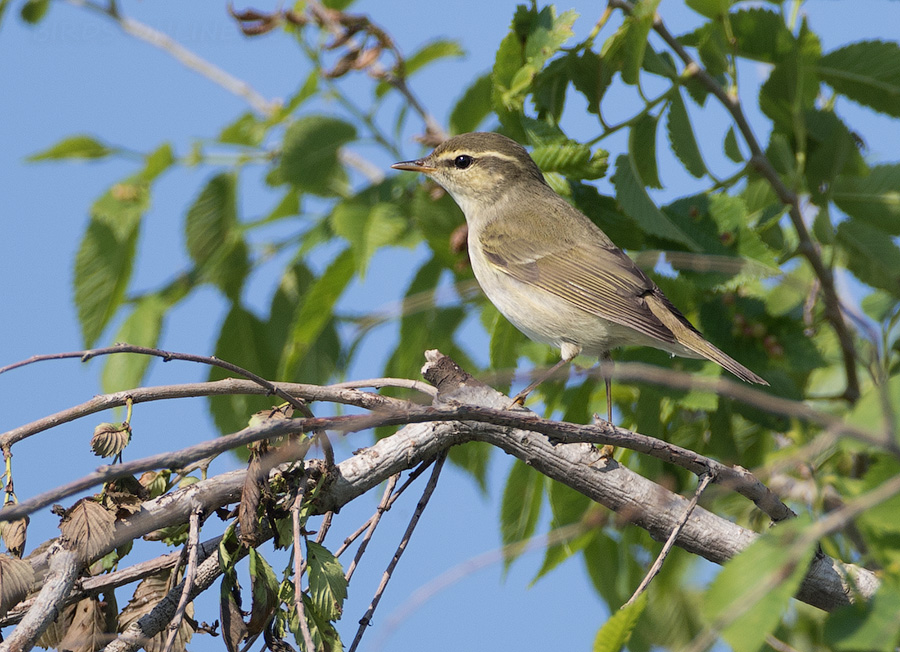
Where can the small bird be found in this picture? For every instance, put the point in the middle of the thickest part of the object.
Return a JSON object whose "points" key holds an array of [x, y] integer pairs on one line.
{"points": [[550, 270]]}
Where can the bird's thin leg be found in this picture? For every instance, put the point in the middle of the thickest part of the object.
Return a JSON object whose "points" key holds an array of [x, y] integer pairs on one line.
{"points": [[606, 372], [519, 399]]}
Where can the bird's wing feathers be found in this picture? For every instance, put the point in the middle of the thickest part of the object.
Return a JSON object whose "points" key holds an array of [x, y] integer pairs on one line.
{"points": [[592, 275]]}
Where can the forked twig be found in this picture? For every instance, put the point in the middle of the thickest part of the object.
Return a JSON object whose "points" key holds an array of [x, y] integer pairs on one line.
{"points": [[189, 575]]}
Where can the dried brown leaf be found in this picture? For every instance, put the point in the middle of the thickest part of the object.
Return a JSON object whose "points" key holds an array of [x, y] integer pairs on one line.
{"points": [[55, 633], [234, 629], [14, 533], [110, 439], [89, 527], [146, 596], [16, 579], [88, 631]]}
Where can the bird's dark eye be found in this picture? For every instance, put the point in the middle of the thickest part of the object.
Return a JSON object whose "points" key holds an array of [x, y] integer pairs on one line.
{"points": [[463, 161]]}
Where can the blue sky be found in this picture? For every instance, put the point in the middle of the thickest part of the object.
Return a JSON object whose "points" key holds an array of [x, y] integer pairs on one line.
{"points": [[76, 73]]}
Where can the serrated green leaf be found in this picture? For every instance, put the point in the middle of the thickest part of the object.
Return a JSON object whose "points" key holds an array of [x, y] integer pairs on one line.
{"points": [[681, 137], [213, 239], [642, 146], [874, 198], [211, 218], [793, 84], [73, 147], [523, 496], [871, 255], [616, 631], [142, 328], [473, 107], [309, 159], [636, 203], [570, 159], [760, 34], [315, 313], [327, 585], [710, 8], [568, 507], [105, 257], [638, 25], [590, 77], [867, 73], [754, 588], [732, 149]]}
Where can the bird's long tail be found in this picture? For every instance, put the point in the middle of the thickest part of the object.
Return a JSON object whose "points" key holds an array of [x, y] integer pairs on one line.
{"points": [[688, 337]]}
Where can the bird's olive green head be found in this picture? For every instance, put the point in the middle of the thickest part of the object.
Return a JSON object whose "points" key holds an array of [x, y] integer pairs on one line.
{"points": [[478, 167]]}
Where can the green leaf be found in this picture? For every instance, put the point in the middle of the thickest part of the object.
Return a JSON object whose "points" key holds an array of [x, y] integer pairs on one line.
{"points": [[367, 228], [874, 198], [616, 631], [504, 351], [244, 340], [761, 35], [214, 241], [520, 509], [438, 220], [570, 158], [83, 147], [473, 107], [264, 587], [327, 585], [439, 49], [568, 507], [33, 11], [642, 148], [866, 625], [309, 158], [867, 73], [142, 327], [315, 313], [591, 76], [105, 257], [793, 84], [710, 8], [754, 589], [157, 162], [637, 24], [248, 131], [681, 137], [871, 255], [732, 149], [636, 203]]}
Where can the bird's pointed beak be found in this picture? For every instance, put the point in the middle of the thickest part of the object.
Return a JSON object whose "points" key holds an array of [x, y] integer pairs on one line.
{"points": [[419, 165]]}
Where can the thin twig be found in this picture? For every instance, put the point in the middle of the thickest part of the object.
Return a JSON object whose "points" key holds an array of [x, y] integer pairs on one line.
{"points": [[189, 575], [184, 56], [298, 562], [419, 470], [373, 523], [657, 565], [420, 508]]}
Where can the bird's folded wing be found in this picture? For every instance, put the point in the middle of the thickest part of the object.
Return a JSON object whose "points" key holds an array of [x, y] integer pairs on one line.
{"points": [[596, 279]]}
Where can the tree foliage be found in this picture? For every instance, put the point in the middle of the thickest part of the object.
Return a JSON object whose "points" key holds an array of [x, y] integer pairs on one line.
{"points": [[757, 256]]}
